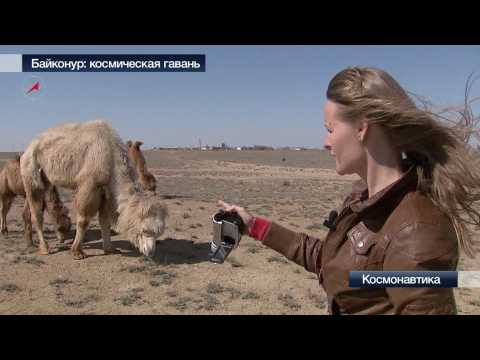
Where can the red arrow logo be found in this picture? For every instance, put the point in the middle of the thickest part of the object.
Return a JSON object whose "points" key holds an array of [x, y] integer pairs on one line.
{"points": [[35, 87]]}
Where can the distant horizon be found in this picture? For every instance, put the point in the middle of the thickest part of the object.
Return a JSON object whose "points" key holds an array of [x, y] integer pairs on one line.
{"points": [[167, 148], [248, 95]]}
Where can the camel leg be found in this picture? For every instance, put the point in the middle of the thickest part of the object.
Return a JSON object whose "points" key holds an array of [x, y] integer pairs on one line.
{"points": [[58, 213], [60, 236], [3, 221], [27, 221], [104, 217], [6, 205], [82, 225], [87, 203], [35, 203]]}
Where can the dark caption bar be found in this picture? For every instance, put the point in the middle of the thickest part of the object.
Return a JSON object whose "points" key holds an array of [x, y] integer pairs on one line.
{"points": [[113, 63]]}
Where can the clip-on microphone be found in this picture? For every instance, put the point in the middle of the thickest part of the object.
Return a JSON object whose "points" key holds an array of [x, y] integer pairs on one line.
{"points": [[330, 222]]}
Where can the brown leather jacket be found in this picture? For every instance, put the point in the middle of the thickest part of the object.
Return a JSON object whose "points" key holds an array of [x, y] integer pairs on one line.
{"points": [[398, 229]]}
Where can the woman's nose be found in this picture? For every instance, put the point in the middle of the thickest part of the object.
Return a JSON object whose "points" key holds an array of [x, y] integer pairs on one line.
{"points": [[326, 144]]}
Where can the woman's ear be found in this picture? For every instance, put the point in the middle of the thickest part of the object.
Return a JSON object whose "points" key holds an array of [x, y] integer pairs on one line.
{"points": [[362, 130]]}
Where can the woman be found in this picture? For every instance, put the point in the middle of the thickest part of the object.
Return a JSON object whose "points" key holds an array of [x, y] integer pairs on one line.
{"points": [[410, 210]]}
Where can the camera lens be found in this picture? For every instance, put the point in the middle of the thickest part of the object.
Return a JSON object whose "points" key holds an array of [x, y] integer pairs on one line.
{"points": [[229, 240], [219, 216]]}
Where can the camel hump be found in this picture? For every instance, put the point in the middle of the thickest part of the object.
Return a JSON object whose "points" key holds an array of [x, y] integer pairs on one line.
{"points": [[129, 143], [138, 144]]}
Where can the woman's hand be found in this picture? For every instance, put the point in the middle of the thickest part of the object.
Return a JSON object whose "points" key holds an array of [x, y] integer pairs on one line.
{"points": [[246, 216]]}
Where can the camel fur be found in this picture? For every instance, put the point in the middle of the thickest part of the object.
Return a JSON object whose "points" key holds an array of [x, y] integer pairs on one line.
{"points": [[11, 186], [147, 180], [91, 159]]}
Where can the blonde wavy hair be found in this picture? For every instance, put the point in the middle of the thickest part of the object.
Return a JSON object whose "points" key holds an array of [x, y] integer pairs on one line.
{"points": [[447, 166]]}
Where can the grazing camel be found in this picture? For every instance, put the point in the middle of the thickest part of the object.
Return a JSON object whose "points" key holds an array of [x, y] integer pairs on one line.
{"points": [[11, 186], [91, 159], [147, 180]]}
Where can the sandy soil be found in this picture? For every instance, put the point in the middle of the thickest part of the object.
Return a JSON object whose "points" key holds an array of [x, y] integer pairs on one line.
{"points": [[295, 188]]}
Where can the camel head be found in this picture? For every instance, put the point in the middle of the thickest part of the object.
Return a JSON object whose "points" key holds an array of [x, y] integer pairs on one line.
{"points": [[143, 220], [148, 182], [134, 145]]}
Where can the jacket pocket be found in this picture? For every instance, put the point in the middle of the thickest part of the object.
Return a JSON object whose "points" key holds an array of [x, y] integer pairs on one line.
{"points": [[362, 242]]}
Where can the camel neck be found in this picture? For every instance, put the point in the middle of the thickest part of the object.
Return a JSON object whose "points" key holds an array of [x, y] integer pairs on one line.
{"points": [[124, 185]]}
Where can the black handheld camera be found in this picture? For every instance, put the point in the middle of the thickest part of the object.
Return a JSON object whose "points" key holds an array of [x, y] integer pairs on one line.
{"points": [[228, 228]]}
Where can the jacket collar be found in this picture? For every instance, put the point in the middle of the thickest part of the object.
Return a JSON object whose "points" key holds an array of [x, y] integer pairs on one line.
{"points": [[386, 196]]}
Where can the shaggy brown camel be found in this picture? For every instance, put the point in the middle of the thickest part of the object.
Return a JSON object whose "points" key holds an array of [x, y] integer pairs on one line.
{"points": [[11, 185], [147, 180], [91, 159]]}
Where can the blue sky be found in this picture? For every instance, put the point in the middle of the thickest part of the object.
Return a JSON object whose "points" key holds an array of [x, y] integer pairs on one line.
{"points": [[269, 95]]}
